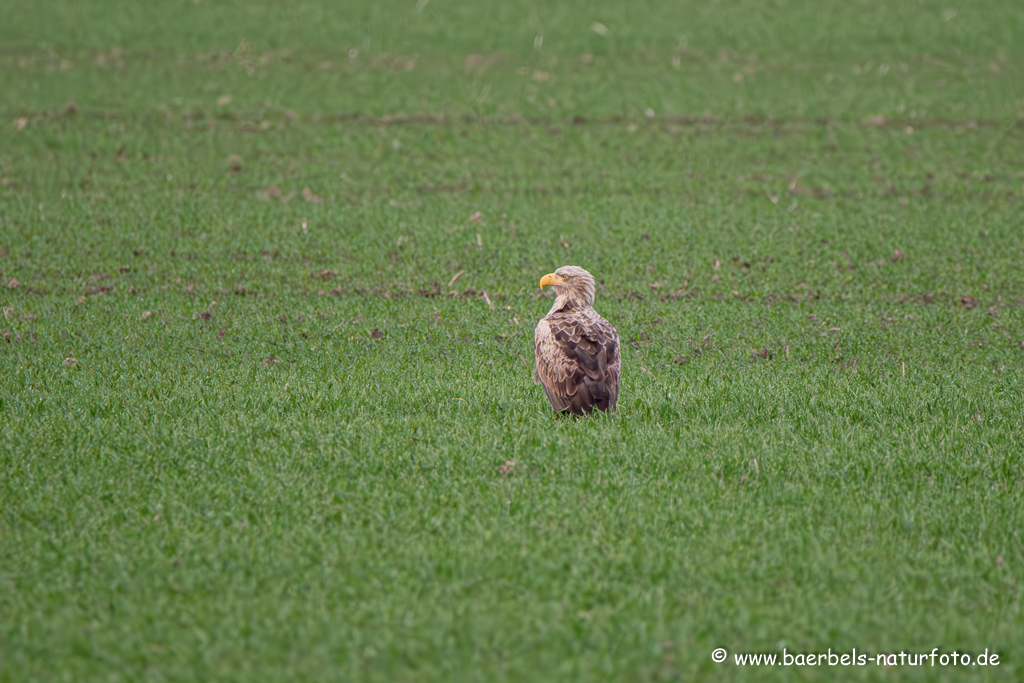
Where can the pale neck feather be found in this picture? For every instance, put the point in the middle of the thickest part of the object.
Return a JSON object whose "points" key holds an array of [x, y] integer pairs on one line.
{"points": [[572, 299]]}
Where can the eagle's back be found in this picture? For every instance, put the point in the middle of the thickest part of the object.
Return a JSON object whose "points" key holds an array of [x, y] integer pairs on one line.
{"points": [[578, 361]]}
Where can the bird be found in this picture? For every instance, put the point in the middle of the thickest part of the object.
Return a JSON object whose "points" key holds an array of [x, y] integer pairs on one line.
{"points": [[576, 350]]}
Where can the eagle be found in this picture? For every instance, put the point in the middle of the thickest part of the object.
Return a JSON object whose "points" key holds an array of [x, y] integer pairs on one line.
{"points": [[577, 350]]}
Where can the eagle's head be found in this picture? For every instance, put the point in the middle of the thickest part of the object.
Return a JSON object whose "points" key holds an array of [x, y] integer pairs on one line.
{"points": [[573, 285]]}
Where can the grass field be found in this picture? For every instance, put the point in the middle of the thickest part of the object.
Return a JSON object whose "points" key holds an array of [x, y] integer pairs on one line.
{"points": [[269, 280]]}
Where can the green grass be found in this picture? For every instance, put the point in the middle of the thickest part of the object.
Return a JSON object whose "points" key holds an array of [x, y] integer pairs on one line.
{"points": [[275, 454]]}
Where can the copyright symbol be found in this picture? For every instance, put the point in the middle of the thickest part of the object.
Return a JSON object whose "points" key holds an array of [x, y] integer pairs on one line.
{"points": [[719, 655]]}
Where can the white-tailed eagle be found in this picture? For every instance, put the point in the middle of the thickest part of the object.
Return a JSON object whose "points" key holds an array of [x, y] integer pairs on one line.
{"points": [[577, 350]]}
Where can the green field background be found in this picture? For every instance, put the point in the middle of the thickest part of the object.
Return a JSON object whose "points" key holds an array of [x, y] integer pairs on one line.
{"points": [[269, 271]]}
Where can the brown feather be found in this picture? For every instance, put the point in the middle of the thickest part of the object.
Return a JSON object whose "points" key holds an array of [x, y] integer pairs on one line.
{"points": [[578, 361]]}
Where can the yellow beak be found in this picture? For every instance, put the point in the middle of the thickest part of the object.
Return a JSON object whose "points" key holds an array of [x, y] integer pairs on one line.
{"points": [[551, 279]]}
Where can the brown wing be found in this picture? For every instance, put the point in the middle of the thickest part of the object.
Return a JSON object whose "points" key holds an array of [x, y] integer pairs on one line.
{"points": [[577, 362]]}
